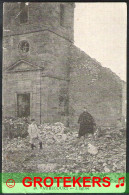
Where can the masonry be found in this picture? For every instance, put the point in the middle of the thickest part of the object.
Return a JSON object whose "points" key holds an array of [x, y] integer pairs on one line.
{"points": [[44, 72]]}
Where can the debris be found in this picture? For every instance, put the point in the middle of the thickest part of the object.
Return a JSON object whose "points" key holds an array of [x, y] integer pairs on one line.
{"points": [[106, 169], [92, 149], [61, 154]]}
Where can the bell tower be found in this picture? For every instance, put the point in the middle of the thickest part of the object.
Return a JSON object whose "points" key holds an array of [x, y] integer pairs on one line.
{"points": [[27, 17]]}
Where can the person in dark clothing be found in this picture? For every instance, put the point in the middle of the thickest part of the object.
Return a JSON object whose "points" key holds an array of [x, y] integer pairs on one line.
{"points": [[87, 124]]}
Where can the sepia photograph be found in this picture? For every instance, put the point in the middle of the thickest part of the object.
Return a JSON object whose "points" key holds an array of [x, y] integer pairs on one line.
{"points": [[64, 87]]}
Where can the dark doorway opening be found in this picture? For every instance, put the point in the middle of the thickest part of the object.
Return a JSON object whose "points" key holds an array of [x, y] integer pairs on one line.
{"points": [[23, 105]]}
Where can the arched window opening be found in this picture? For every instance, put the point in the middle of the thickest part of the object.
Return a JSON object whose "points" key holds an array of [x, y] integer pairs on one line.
{"points": [[24, 12], [62, 14]]}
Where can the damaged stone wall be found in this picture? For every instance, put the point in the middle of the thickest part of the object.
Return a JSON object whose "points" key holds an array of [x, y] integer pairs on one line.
{"points": [[95, 87]]}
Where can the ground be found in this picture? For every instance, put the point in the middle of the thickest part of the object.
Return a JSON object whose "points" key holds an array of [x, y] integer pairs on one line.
{"points": [[64, 152]]}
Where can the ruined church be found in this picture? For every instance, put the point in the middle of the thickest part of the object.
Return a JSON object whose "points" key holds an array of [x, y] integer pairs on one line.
{"points": [[45, 76]]}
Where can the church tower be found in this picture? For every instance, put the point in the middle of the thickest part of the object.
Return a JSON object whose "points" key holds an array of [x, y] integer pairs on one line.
{"points": [[36, 43]]}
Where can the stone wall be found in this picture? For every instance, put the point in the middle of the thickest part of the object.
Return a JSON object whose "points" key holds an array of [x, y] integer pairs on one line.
{"points": [[95, 87], [46, 49], [38, 19], [18, 83], [124, 101], [53, 108]]}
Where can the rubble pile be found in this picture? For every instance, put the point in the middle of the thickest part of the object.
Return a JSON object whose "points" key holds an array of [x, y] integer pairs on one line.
{"points": [[64, 152], [15, 127], [53, 132]]}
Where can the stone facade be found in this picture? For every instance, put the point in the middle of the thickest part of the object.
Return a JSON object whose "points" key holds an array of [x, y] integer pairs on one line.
{"points": [[40, 59], [42, 71]]}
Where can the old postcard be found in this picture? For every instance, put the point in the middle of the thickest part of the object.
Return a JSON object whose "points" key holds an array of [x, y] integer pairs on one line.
{"points": [[64, 87]]}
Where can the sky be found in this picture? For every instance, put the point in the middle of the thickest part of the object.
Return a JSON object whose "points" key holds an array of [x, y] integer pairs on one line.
{"points": [[100, 31]]}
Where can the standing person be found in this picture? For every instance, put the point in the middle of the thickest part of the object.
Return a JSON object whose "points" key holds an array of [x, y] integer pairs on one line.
{"points": [[87, 124], [34, 134]]}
